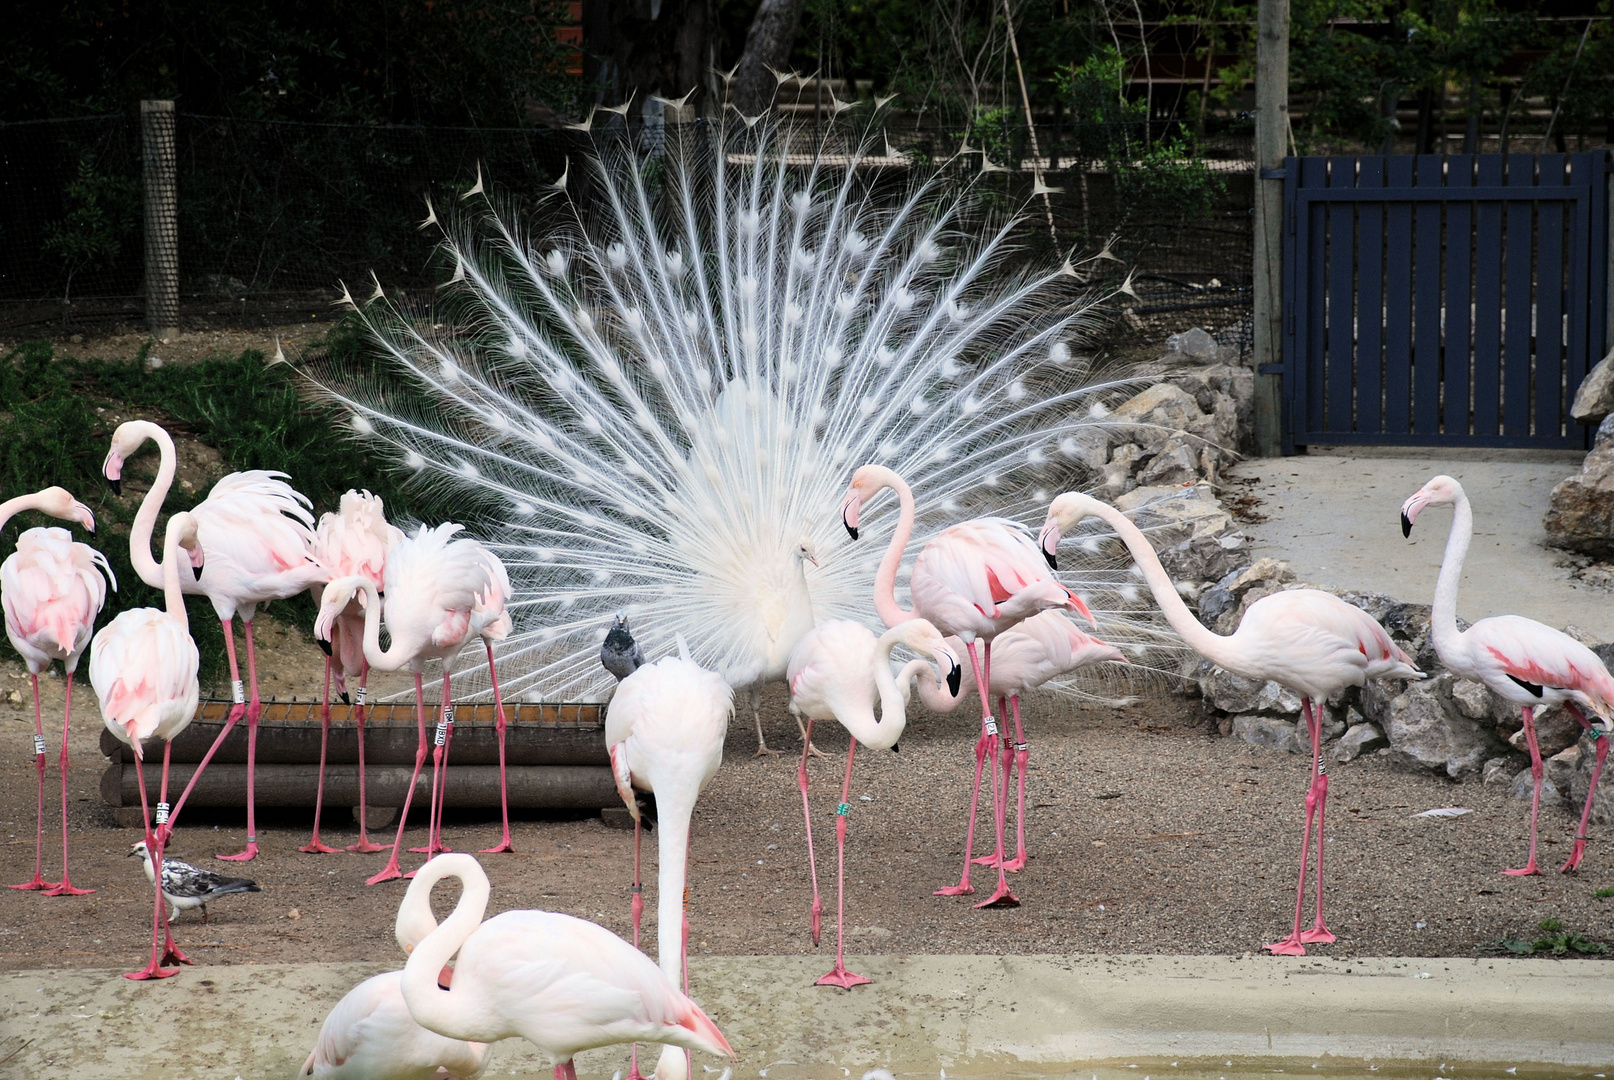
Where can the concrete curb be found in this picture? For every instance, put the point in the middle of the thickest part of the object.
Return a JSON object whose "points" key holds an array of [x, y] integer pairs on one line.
{"points": [[980, 1015]]}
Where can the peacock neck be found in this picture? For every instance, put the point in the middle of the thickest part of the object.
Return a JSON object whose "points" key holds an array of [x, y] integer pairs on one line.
{"points": [[1211, 646], [145, 521], [1443, 615], [452, 1013], [885, 579]]}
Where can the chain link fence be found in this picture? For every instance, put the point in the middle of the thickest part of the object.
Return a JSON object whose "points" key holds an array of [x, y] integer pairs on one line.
{"points": [[271, 215]]}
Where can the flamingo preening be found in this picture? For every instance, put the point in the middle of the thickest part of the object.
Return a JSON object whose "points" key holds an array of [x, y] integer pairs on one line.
{"points": [[440, 593], [51, 589], [353, 541], [256, 532], [1041, 648], [561, 983], [1310, 641], [664, 732], [973, 580], [839, 671], [143, 668], [1531, 665]]}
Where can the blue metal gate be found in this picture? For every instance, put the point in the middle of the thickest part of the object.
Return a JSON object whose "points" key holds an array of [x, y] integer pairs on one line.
{"points": [[1442, 300]]}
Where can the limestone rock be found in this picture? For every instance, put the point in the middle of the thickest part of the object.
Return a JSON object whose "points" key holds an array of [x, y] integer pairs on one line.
{"points": [[1595, 398], [1235, 694], [1581, 780], [1357, 741], [1556, 730], [1476, 701], [1500, 770], [1580, 513], [1088, 445], [1425, 728], [1196, 344], [1524, 788], [1175, 462], [1268, 732], [1160, 410]]}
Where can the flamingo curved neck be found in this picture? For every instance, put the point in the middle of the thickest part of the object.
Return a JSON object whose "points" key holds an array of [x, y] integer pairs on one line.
{"points": [[1212, 646], [885, 579], [884, 733], [391, 659], [451, 1012], [146, 517], [173, 596], [1443, 615], [931, 693], [12, 507]]}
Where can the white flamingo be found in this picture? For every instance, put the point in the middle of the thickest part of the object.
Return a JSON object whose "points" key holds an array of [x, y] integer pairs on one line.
{"points": [[563, 984], [143, 668], [52, 591], [255, 532]]}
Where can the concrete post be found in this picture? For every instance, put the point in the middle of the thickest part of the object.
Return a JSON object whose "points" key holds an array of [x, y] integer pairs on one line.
{"points": [[161, 218], [1271, 142]]}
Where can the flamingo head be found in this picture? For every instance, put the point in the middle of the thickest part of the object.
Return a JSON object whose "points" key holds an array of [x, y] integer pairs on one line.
{"points": [[58, 503], [1064, 514], [923, 637], [1442, 489], [182, 531], [807, 551], [126, 440], [866, 483], [332, 602]]}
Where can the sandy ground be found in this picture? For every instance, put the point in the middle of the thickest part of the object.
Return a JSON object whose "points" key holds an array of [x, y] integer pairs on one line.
{"points": [[184, 346], [1146, 834]]}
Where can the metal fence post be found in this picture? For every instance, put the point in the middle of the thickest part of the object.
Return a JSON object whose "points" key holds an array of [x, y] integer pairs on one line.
{"points": [[162, 218], [1271, 139]]}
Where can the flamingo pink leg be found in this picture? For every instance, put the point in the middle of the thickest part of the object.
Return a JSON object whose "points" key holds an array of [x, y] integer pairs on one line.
{"points": [[314, 847], [434, 834], [566, 1070], [636, 907], [1319, 933], [1001, 896], [807, 813], [999, 794], [1536, 772], [1576, 853], [37, 883], [1021, 753], [237, 711], [254, 711], [66, 887], [172, 957], [391, 870], [504, 791], [155, 969], [1292, 945], [364, 846], [838, 975], [981, 746]]}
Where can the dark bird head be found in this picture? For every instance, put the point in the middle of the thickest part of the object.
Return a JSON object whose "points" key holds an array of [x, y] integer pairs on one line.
{"points": [[620, 654]]}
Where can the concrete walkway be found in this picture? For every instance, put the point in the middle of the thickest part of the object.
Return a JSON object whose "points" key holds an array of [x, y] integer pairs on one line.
{"points": [[970, 1015], [1335, 517]]}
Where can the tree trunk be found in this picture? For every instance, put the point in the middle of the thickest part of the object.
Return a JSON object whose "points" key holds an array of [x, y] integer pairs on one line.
{"points": [[767, 44], [643, 47]]}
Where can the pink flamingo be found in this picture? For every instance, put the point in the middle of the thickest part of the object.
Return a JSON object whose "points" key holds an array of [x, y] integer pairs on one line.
{"points": [[355, 540], [1531, 665], [1312, 642], [256, 531], [1042, 647], [838, 671], [51, 591], [973, 580], [561, 983], [493, 623], [440, 593], [143, 668]]}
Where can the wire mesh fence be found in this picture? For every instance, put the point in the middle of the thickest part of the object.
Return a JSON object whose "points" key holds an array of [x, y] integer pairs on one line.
{"points": [[271, 215]]}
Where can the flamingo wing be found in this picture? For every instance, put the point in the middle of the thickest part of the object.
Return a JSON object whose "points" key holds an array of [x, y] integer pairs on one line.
{"points": [[143, 667], [994, 567], [1537, 657], [371, 1033]]}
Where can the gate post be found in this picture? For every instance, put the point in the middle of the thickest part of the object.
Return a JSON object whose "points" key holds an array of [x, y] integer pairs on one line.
{"points": [[161, 218], [1271, 139]]}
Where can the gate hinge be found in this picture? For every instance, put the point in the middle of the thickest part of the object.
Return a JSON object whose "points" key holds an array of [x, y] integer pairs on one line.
{"points": [[1269, 369], [1279, 173]]}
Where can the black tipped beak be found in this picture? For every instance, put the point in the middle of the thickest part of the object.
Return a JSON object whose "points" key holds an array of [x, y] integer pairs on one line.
{"points": [[325, 647], [895, 749], [955, 679], [347, 699], [198, 568], [1053, 563], [851, 530], [1406, 524], [116, 486], [131, 854]]}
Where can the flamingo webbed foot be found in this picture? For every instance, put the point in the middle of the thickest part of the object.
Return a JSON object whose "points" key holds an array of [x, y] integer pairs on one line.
{"points": [[245, 856], [1001, 898], [1289, 946], [364, 847], [151, 971], [1528, 870], [388, 873], [1576, 853], [842, 978], [505, 847], [1318, 935], [38, 884], [314, 847], [66, 889], [764, 750], [963, 888]]}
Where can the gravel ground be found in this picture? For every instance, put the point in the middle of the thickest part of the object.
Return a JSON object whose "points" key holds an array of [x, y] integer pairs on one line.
{"points": [[1146, 835]]}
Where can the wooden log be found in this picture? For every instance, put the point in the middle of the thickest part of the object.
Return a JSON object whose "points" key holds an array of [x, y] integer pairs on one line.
{"points": [[531, 786], [289, 734]]}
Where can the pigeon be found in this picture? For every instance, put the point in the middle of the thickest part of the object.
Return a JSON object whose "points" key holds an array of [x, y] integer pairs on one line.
{"points": [[186, 887], [620, 654]]}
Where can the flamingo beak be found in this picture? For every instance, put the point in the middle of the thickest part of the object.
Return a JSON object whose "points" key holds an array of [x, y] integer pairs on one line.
{"points": [[850, 506], [325, 646], [84, 516], [112, 469], [1406, 524], [955, 677], [1049, 542], [1410, 510]]}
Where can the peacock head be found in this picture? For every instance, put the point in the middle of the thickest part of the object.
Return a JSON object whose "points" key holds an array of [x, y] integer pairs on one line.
{"points": [[1064, 514], [1440, 490], [807, 550]]}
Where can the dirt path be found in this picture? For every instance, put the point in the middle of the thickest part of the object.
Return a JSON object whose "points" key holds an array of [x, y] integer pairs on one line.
{"points": [[1146, 835]]}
